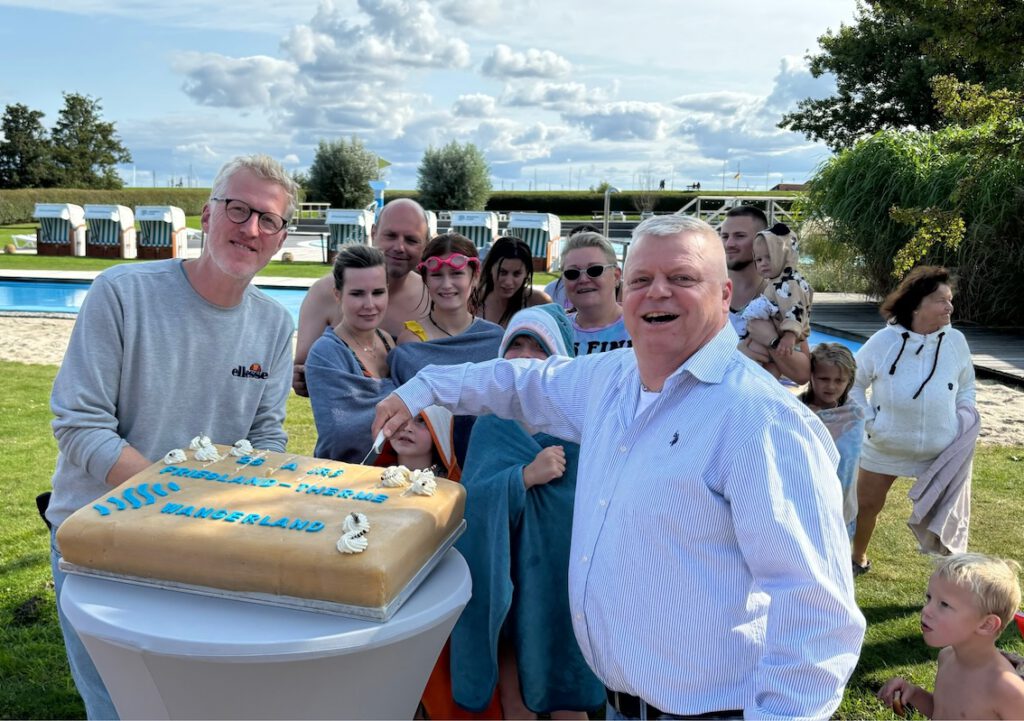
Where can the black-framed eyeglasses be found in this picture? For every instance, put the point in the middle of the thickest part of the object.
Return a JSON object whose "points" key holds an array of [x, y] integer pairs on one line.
{"points": [[239, 212], [594, 271]]}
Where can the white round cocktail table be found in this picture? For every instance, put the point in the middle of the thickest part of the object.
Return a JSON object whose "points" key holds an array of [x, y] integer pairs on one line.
{"points": [[172, 655]]}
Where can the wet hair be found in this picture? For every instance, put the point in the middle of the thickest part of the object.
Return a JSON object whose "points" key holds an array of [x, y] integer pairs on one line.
{"points": [[354, 256], [899, 305], [505, 248], [835, 354], [263, 167], [993, 581], [748, 211], [589, 239], [446, 244]]}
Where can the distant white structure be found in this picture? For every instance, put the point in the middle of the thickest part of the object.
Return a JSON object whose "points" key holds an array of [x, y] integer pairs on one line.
{"points": [[61, 229], [542, 232], [111, 231], [481, 227], [162, 232], [348, 227]]}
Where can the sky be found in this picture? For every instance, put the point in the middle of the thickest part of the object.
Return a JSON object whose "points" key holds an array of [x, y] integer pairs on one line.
{"points": [[558, 94]]}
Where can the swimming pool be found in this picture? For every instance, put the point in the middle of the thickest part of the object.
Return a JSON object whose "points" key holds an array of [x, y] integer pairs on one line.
{"points": [[66, 297]]}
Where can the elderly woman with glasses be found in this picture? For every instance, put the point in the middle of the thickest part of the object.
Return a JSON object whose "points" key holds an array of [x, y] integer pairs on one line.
{"points": [[450, 333], [591, 275]]}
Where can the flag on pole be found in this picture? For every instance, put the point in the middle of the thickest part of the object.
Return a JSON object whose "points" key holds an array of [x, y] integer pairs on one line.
{"points": [[737, 176], [381, 163]]}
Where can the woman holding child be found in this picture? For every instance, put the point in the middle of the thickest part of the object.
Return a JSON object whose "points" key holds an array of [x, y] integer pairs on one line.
{"points": [[920, 410], [346, 369]]}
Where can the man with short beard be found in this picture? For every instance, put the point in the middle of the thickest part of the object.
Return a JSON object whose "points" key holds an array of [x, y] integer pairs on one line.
{"points": [[401, 233], [741, 224]]}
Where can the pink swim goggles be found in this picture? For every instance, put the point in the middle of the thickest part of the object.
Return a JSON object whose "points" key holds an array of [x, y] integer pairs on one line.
{"points": [[456, 261]]}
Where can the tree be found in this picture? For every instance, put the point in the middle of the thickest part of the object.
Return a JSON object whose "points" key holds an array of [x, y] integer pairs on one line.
{"points": [[341, 173], [455, 177], [25, 152], [884, 63], [86, 150]]}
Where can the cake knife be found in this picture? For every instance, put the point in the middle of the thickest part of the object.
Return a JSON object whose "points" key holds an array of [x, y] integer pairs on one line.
{"points": [[378, 444]]}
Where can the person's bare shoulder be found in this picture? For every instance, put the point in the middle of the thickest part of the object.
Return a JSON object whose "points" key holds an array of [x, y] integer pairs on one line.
{"points": [[1007, 693], [538, 297]]}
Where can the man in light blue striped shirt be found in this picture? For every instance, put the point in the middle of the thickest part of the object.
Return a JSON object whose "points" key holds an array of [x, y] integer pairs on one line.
{"points": [[710, 566]]}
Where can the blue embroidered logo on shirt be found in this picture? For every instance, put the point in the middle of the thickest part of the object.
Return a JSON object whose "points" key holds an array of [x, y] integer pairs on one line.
{"points": [[675, 439]]}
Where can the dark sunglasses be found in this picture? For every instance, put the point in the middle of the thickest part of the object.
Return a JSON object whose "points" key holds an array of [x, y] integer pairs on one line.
{"points": [[456, 261], [594, 271]]}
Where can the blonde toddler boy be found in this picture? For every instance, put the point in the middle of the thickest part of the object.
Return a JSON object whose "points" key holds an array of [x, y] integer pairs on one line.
{"points": [[971, 598]]}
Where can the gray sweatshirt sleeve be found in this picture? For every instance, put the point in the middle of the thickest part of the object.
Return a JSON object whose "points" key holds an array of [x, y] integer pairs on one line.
{"points": [[85, 392]]}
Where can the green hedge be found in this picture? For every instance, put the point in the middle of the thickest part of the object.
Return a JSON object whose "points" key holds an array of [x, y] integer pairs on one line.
{"points": [[17, 206]]}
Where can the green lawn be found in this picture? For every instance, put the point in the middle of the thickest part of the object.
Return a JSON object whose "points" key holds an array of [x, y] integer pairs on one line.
{"points": [[35, 679]]}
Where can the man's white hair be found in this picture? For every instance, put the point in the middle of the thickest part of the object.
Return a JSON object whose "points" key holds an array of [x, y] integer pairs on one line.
{"points": [[665, 225]]}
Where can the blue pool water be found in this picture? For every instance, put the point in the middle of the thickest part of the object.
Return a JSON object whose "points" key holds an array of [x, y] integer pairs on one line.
{"points": [[57, 297]]}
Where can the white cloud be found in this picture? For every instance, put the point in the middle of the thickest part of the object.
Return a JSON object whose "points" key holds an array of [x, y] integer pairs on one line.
{"points": [[716, 102], [534, 63], [290, 159], [478, 13], [623, 121], [216, 80], [476, 105]]}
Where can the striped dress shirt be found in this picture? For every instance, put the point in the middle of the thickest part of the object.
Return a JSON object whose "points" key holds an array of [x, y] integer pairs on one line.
{"points": [[710, 567]]}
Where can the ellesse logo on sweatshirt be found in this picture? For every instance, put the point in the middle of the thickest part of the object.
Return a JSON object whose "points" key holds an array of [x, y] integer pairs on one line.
{"points": [[255, 370]]}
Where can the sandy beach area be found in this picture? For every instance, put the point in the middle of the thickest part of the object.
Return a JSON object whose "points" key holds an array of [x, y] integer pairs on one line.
{"points": [[44, 339]]}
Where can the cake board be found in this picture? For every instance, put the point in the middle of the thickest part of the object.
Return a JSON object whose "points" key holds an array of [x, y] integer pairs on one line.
{"points": [[380, 614]]}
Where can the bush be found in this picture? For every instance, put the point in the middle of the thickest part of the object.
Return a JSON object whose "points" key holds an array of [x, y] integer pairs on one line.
{"points": [[455, 177], [865, 195], [341, 172]]}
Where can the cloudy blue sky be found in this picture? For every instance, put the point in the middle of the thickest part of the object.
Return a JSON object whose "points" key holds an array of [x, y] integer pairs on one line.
{"points": [[557, 93]]}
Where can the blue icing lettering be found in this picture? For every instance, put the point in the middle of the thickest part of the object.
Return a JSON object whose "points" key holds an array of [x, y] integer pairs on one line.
{"points": [[186, 511], [117, 503], [265, 521], [170, 507], [301, 487], [281, 522], [129, 496], [250, 520], [169, 469], [364, 496], [146, 495], [237, 479], [197, 474], [101, 510], [181, 472], [337, 473], [267, 483], [346, 493], [202, 512], [159, 490], [298, 524], [235, 515], [290, 467], [173, 486], [218, 514], [380, 498], [330, 491], [314, 527]]}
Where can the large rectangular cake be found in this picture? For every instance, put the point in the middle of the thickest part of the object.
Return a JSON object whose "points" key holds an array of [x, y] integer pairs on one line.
{"points": [[268, 523]]}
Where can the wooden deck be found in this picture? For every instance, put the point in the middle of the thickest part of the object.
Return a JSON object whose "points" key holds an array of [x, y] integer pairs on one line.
{"points": [[997, 354]]}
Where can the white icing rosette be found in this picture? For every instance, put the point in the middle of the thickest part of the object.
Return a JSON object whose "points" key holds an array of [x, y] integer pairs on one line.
{"points": [[242, 448], [394, 477], [208, 453], [421, 483], [356, 525], [175, 455], [200, 441]]}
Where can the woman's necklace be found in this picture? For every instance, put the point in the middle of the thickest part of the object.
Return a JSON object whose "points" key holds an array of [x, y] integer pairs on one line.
{"points": [[371, 350], [430, 315]]}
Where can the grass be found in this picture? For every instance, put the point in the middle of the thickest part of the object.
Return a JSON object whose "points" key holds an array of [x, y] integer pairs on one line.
{"points": [[36, 682]]}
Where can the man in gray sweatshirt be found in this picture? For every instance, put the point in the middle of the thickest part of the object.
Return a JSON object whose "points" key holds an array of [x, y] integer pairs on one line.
{"points": [[166, 350]]}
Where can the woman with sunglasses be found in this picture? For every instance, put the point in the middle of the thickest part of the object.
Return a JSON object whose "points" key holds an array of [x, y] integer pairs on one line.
{"points": [[450, 334], [346, 368], [591, 275], [506, 282]]}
